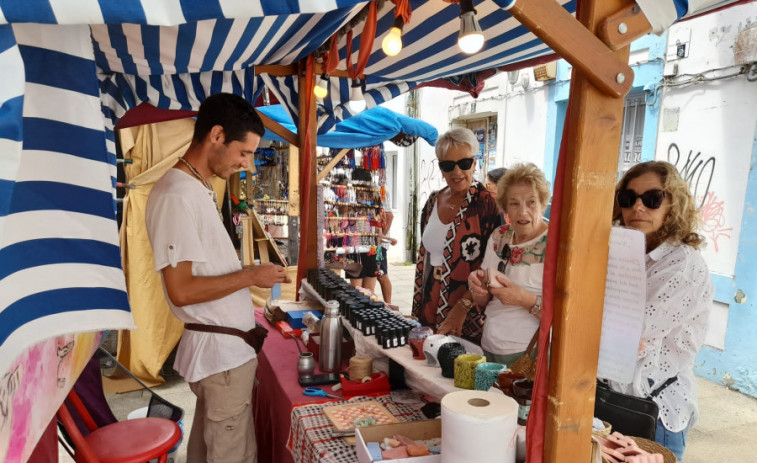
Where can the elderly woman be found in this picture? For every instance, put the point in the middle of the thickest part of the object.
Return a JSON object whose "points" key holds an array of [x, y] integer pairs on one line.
{"points": [[455, 224], [653, 198], [509, 283]]}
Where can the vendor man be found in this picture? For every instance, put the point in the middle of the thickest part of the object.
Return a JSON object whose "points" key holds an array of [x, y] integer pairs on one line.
{"points": [[204, 281]]}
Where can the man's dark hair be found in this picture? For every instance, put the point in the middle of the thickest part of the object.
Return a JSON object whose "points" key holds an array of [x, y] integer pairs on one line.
{"points": [[232, 112]]}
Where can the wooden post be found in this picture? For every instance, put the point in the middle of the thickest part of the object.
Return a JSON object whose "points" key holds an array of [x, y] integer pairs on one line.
{"points": [[595, 122], [309, 232]]}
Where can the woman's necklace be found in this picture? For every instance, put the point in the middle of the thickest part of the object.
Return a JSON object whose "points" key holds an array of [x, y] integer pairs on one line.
{"points": [[204, 182], [456, 206]]}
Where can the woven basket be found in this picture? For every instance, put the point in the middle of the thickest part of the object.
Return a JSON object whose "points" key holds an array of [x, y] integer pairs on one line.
{"points": [[653, 447], [604, 432]]}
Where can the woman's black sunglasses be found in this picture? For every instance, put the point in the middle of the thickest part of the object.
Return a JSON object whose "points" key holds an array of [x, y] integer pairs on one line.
{"points": [[651, 199], [449, 166]]}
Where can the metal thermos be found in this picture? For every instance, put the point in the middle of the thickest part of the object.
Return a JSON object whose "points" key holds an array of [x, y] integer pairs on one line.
{"points": [[330, 356]]}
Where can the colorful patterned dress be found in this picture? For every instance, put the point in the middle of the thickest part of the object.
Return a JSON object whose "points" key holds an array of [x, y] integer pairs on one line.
{"points": [[464, 247]]}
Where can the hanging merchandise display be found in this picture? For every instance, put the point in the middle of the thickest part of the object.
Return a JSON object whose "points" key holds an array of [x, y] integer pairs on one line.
{"points": [[265, 191], [354, 193]]}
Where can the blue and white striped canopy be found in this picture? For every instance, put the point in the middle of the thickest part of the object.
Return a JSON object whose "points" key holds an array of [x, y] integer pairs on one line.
{"points": [[69, 69]]}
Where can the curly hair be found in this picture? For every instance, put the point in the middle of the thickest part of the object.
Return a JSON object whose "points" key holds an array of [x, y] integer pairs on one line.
{"points": [[681, 223], [523, 173]]}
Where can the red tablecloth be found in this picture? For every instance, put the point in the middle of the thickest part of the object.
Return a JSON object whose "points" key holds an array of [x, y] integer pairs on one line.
{"points": [[276, 393]]}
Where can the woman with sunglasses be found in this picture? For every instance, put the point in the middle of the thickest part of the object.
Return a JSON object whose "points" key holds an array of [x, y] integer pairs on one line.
{"points": [[509, 284], [455, 224], [652, 197]]}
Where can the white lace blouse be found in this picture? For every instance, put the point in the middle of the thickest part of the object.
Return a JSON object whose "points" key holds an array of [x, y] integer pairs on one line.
{"points": [[679, 299]]}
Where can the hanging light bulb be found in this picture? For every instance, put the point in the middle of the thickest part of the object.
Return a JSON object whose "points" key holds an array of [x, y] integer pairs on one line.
{"points": [[321, 88], [357, 101], [471, 37], [392, 43]]}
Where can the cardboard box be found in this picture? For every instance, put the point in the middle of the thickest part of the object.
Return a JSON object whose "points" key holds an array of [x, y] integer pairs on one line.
{"points": [[417, 430]]}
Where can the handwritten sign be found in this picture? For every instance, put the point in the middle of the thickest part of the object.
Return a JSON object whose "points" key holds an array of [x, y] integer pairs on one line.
{"points": [[625, 297]]}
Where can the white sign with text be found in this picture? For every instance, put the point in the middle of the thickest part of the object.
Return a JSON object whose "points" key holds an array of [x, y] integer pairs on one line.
{"points": [[625, 296]]}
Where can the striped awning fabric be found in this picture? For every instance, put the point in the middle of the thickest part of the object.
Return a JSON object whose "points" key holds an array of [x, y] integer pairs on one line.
{"points": [[71, 68]]}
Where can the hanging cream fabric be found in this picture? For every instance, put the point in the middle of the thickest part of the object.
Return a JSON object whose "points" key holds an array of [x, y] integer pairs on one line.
{"points": [[153, 149]]}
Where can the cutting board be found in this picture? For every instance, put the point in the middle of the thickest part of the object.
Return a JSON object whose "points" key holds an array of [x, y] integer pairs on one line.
{"points": [[343, 417]]}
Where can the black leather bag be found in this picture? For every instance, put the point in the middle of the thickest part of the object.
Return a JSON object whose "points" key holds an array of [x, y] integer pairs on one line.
{"points": [[255, 337], [629, 415]]}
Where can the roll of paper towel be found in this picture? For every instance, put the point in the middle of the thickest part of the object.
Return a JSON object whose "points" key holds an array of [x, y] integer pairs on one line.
{"points": [[478, 426]]}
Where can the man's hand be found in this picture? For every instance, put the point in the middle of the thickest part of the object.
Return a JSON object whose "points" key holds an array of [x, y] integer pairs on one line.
{"points": [[266, 275]]}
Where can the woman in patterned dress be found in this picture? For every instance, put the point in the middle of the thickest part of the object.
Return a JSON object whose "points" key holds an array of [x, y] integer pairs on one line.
{"points": [[509, 284], [652, 197], [455, 224]]}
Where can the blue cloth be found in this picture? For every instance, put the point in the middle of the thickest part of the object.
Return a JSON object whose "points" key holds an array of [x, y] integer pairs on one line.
{"points": [[674, 441], [369, 128]]}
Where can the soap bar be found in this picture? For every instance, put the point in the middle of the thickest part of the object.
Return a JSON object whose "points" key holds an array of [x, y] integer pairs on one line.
{"points": [[417, 450], [375, 450], [395, 453]]}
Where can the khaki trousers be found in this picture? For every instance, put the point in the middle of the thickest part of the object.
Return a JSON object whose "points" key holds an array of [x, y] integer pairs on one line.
{"points": [[223, 430]]}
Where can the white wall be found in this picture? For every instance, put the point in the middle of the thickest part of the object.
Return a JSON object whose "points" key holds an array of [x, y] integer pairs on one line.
{"points": [[707, 128]]}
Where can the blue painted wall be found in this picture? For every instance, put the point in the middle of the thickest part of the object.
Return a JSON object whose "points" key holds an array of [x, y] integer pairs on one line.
{"points": [[647, 78], [732, 366]]}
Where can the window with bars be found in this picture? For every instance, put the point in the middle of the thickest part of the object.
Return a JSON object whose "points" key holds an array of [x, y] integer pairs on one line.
{"points": [[632, 137]]}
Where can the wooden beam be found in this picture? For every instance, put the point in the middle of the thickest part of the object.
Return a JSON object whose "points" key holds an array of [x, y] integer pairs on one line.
{"points": [[279, 70], [623, 27], [279, 129], [335, 72], [309, 232], [327, 168], [549, 21], [593, 138]]}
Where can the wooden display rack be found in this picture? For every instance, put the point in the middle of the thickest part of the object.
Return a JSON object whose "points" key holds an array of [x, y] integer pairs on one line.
{"points": [[257, 243]]}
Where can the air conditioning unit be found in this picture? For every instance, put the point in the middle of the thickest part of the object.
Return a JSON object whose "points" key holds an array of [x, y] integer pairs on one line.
{"points": [[546, 71]]}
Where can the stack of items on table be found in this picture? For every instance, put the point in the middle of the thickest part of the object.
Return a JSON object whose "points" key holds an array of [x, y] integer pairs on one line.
{"points": [[399, 446]]}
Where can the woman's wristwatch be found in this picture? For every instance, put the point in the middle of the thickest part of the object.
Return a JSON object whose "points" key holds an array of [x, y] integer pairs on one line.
{"points": [[465, 302], [536, 308]]}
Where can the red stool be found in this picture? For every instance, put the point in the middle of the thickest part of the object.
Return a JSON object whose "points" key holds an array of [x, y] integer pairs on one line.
{"points": [[131, 441]]}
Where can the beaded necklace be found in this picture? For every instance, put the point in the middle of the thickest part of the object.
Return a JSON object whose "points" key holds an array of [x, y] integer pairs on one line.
{"points": [[204, 182]]}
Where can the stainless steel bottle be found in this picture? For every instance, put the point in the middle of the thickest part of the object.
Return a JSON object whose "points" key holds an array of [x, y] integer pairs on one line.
{"points": [[330, 356]]}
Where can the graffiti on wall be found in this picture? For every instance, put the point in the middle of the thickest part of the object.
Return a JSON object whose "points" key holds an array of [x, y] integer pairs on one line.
{"points": [[429, 179], [713, 219], [695, 169], [698, 171]]}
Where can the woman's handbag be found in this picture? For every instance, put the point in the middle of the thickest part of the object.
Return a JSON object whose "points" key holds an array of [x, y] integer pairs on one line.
{"points": [[629, 415], [255, 337], [526, 363]]}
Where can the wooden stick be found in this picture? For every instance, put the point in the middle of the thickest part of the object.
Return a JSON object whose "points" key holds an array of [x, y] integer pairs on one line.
{"points": [[549, 21], [279, 129], [322, 174]]}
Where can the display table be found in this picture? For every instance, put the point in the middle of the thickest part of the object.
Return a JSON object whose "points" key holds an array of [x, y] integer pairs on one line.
{"points": [[275, 394], [418, 375], [311, 434], [278, 408]]}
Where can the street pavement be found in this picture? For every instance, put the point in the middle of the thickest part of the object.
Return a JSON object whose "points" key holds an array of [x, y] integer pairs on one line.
{"points": [[724, 433]]}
